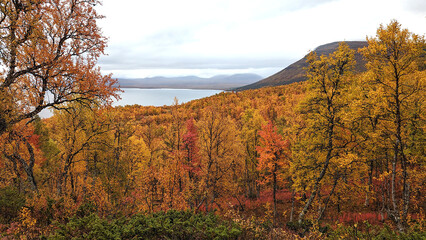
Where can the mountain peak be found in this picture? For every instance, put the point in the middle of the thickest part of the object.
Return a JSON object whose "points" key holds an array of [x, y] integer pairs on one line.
{"points": [[296, 71]]}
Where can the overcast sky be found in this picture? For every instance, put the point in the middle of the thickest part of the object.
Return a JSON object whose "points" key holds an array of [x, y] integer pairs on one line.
{"points": [[207, 37]]}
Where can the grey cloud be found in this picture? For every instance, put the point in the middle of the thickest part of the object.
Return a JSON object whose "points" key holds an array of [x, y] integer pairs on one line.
{"points": [[124, 62], [281, 7], [308, 3], [158, 53], [170, 37], [416, 6], [300, 4], [160, 49]]}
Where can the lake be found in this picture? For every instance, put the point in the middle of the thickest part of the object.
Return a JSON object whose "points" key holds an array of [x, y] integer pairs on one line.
{"points": [[160, 96], [153, 97]]}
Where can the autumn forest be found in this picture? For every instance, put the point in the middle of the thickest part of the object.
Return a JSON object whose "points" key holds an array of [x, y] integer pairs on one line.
{"points": [[339, 156]]}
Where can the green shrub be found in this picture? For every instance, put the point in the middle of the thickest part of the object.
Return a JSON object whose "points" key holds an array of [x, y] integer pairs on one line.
{"points": [[367, 231], [180, 225], [162, 225], [11, 202], [87, 227]]}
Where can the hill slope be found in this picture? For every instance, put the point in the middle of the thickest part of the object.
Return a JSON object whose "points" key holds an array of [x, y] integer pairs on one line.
{"points": [[296, 73]]}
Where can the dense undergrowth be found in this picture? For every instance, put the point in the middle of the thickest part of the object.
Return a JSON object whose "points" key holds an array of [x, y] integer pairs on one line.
{"points": [[87, 223]]}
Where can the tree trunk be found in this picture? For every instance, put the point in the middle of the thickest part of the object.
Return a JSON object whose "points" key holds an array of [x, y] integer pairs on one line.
{"points": [[28, 167], [394, 212], [62, 179], [321, 214], [370, 184], [292, 205], [316, 187], [3, 123], [17, 180], [330, 133]]}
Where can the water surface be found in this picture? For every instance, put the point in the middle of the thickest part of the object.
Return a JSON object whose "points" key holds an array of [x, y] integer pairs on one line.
{"points": [[160, 96], [153, 97]]}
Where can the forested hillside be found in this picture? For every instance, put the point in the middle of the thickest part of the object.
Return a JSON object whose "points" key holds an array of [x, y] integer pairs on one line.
{"points": [[341, 155]]}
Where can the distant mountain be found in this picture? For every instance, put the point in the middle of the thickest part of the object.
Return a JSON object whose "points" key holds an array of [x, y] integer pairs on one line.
{"points": [[296, 72], [219, 82]]}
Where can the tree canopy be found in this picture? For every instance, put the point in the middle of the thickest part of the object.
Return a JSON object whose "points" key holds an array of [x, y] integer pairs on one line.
{"points": [[48, 55]]}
